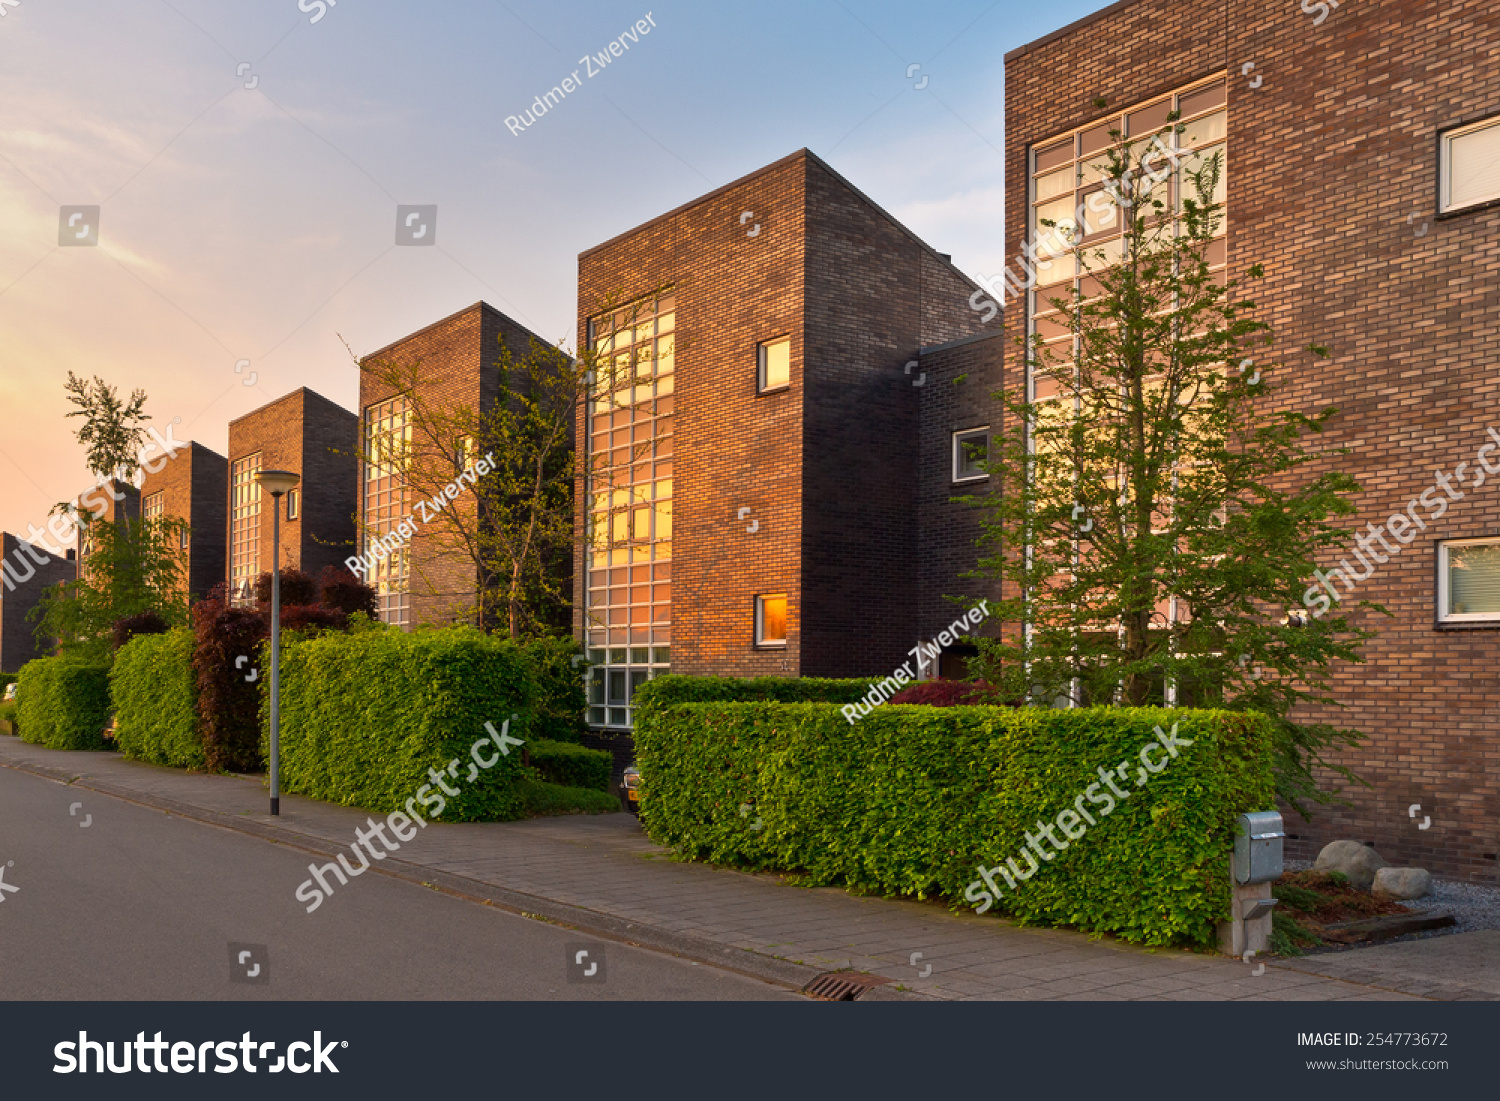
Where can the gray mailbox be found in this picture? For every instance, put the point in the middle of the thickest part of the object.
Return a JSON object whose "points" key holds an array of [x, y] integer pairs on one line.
{"points": [[1257, 847]]}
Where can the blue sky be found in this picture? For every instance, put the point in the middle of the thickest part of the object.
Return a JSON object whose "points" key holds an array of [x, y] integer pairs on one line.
{"points": [[258, 223]]}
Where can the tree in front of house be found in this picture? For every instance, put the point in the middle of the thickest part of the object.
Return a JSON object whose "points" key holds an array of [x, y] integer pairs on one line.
{"points": [[1154, 517], [133, 566]]}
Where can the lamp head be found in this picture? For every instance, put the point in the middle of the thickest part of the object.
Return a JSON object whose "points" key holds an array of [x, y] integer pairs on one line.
{"points": [[277, 482]]}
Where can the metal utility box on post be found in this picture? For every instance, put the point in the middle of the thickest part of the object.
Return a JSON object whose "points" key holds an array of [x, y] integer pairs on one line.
{"points": [[1257, 862]]}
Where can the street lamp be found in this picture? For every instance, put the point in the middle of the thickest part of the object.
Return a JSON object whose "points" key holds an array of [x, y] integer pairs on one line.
{"points": [[277, 483]]}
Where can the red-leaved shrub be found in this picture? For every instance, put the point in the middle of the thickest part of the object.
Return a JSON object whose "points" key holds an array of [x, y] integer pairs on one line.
{"points": [[228, 688], [948, 693], [338, 588]]}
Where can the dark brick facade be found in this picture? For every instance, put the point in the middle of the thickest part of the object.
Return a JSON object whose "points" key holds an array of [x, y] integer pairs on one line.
{"points": [[109, 502], [195, 488], [305, 433], [27, 571], [457, 357], [828, 466], [1332, 185]]}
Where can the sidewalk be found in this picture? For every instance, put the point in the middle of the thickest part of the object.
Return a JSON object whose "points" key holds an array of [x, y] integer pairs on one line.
{"points": [[602, 874]]}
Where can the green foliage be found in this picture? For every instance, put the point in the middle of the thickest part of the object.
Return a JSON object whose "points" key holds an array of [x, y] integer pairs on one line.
{"points": [[560, 698], [64, 703], [8, 713], [912, 800], [6, 679], [1164, 471], [676, 688], [570, 765], [539, 798], [134, 568], [112, 432], [155, 696], [364, 717]]}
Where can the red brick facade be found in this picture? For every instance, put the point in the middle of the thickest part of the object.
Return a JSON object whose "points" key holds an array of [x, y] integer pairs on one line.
{"points": [[1332, 186], [810, 490]]}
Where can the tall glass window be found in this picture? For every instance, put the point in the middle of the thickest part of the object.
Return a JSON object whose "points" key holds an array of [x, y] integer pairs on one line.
{"points": [[244, 528], [387, 439], [628, 618]]}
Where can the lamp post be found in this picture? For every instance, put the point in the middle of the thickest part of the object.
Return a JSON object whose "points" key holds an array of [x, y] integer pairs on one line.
{"points": [[277, 483]]}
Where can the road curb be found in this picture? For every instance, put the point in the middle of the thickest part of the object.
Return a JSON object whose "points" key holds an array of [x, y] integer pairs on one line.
{"points": [[742, 960]]}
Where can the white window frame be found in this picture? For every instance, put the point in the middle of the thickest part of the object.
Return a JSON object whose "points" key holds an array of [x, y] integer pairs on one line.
{"points": [[958, 435], [761, 385], [1445, 167], [760, 625], [1444, 595], [294, 504]]}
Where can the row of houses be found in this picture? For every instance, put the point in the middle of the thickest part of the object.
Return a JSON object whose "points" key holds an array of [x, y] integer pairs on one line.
{"points": [[819, 384]]}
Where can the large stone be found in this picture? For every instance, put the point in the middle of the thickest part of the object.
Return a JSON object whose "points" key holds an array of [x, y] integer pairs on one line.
{"points": [[1358, 862], [1401, 883]]}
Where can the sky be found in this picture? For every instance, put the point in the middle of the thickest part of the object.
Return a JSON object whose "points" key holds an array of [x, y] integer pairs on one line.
{"points": [[248, 160]]}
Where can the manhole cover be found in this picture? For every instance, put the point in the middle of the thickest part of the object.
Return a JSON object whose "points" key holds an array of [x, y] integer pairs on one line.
{"points": [[842, 986]]}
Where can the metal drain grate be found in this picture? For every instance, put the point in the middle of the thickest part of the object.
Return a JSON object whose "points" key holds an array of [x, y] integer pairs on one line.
{"points": [[842, 986]]}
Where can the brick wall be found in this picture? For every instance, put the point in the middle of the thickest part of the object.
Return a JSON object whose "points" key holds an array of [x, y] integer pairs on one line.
{"points": [[1330, 157], [311, 436], [20, 589], [827, 467], [457, 358], [195, 488]]}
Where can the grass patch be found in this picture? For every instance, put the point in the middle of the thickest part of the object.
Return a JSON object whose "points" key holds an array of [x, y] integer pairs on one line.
{"points": [[541, 798]]}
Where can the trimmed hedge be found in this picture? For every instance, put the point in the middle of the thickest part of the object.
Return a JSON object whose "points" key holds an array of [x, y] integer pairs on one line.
{"points": [[573, 766], [678, 688], [914, 800], [365, 716], [541, 798], [64, 703], [155, 696], [560, 700]]}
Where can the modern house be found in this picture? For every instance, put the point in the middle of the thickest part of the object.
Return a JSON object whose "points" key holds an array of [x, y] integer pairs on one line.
{"points": [[431, 577], [774, 357], [1362, 151], [315, 438], [25, 572], [193, 486]]}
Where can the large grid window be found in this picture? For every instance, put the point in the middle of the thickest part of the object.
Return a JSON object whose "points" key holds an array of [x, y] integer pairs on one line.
{"points": [[1069, 172], [154, 506], [628, 623], [1469, 581], [387, 440], [244, 528]]}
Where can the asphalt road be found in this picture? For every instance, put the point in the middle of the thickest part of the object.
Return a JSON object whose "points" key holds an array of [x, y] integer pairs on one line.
{"points": [[140, 905]]}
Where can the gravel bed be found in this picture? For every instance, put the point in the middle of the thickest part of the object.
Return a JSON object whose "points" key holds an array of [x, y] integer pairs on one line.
{"points": [[1473, 905]]}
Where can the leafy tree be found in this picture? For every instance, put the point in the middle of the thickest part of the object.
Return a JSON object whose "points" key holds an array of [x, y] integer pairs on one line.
{"points": [[1154, 516], [514, 528], [112, 431]]}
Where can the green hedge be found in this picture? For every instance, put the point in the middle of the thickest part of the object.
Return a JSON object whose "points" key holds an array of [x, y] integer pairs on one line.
{"points": [[365, 716], [573, 766], [914, 800], [8, 715], [541, 798], [6, 679], [676, 688], [560, 698], [155, 696], [64, 703]]}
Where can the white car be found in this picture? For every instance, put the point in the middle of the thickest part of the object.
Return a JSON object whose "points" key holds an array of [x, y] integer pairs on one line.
{"points": [[10, 691]]}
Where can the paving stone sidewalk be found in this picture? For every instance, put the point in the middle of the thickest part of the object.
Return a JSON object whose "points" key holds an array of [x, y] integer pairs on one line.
{"points": [[603, 874]]}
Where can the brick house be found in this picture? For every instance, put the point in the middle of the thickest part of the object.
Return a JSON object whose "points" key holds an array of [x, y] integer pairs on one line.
{"points": [[316, 438], [193, 486], [111, 501], [25, 571], [1362, 172], [431, 579], [785, 348]]}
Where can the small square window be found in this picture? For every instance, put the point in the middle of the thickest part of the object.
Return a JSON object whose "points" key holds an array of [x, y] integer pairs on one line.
{"points": [[293, 504], [770, 620], [1469, 581], [971, 449], [774, 365], [1470, 166]]}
